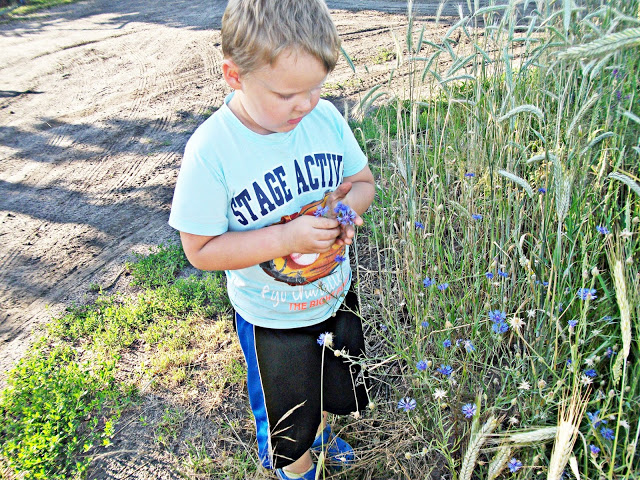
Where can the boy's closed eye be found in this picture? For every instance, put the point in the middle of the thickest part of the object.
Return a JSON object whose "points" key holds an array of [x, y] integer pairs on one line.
{"points": [[290, 96]]}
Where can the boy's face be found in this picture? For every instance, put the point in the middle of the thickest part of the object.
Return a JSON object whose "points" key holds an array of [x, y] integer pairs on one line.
{"points": [[275, 98]]}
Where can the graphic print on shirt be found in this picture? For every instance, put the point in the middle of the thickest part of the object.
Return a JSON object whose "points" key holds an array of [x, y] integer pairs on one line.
{"points": [[316, 172], [302, 269]]}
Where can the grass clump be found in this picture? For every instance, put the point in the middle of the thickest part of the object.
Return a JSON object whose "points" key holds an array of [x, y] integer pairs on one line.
{"points": [[50, 414], [64, 399], [159, 267], [18, 9]]}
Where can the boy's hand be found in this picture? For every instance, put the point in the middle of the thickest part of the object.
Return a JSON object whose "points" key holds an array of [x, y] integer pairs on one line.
{"points": [[348, 231], [309, 234]]}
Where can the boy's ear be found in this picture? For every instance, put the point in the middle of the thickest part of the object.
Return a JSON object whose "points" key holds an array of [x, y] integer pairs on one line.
{"points": [[231, 74]]}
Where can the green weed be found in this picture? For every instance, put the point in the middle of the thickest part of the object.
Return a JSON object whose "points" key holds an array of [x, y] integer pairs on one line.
{"points": [[159, 268], [32, 6], [60, 404], [53, 411]]}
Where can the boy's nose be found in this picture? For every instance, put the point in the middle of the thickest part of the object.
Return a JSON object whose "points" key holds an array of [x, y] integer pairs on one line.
{"points": [[305, 103]]}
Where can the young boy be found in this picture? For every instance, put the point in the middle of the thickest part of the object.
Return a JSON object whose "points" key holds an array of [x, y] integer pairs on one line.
{"points": [[270, 189]]}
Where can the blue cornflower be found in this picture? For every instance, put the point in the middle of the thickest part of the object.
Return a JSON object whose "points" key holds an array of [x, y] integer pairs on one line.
{"points": [[476, 216], [443, 286], [572, 323], [427, 282], [407, 404], [468, 346], [425, 324], [587, 293], [446, 343], [514, 465], [321, 211], [489, 275], [469, 174], [609, 352], [500, 327], [469, 410], [419, 225], [607, 433], [344, 214], [421, 365], [591, 373], [340, 258], [602, 230], [569, 362], [325, 339], [445, 370], [542, 190], [497, 316], [594, 450], [594, 418], [503, 274]]}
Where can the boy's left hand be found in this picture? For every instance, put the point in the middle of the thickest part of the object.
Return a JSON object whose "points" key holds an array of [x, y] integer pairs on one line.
{"points": [[347, 232]]}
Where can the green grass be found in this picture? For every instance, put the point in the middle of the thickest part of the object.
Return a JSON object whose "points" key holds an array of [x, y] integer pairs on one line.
{"points": [[49, 413], [32, 6], [63, 400]]}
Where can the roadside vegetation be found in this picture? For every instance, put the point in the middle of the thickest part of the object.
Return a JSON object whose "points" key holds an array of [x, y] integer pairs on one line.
{"points": [[15, 9], [64, 399], [503, 280], [497, 271]]}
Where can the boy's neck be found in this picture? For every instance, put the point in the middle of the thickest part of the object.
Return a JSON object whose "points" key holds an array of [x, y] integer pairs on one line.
{"points": [[237, 108]]}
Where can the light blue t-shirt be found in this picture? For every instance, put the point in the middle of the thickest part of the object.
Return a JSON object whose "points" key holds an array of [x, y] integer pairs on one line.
{"points": [[233, 179]]}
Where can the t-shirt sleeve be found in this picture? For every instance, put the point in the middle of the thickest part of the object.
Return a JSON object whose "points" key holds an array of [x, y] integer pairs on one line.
{"points": [[200, 199]]}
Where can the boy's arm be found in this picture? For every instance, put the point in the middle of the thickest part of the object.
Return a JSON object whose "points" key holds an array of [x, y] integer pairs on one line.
{"points": [[358, 192], [235, 250], [305, 234]]}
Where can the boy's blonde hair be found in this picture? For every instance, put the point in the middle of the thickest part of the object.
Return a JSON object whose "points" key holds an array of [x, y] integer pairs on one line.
{"points": [[255, 32]]}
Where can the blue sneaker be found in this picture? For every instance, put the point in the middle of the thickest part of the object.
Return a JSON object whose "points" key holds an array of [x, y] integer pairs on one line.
{"points": [[310, 475], [338, 453]]}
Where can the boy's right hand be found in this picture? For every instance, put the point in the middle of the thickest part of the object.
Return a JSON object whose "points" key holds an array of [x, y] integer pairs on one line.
{"points": [[309, 234]]}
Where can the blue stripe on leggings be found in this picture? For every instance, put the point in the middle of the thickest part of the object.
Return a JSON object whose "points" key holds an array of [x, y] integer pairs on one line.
{"points": [[246, 334]]}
